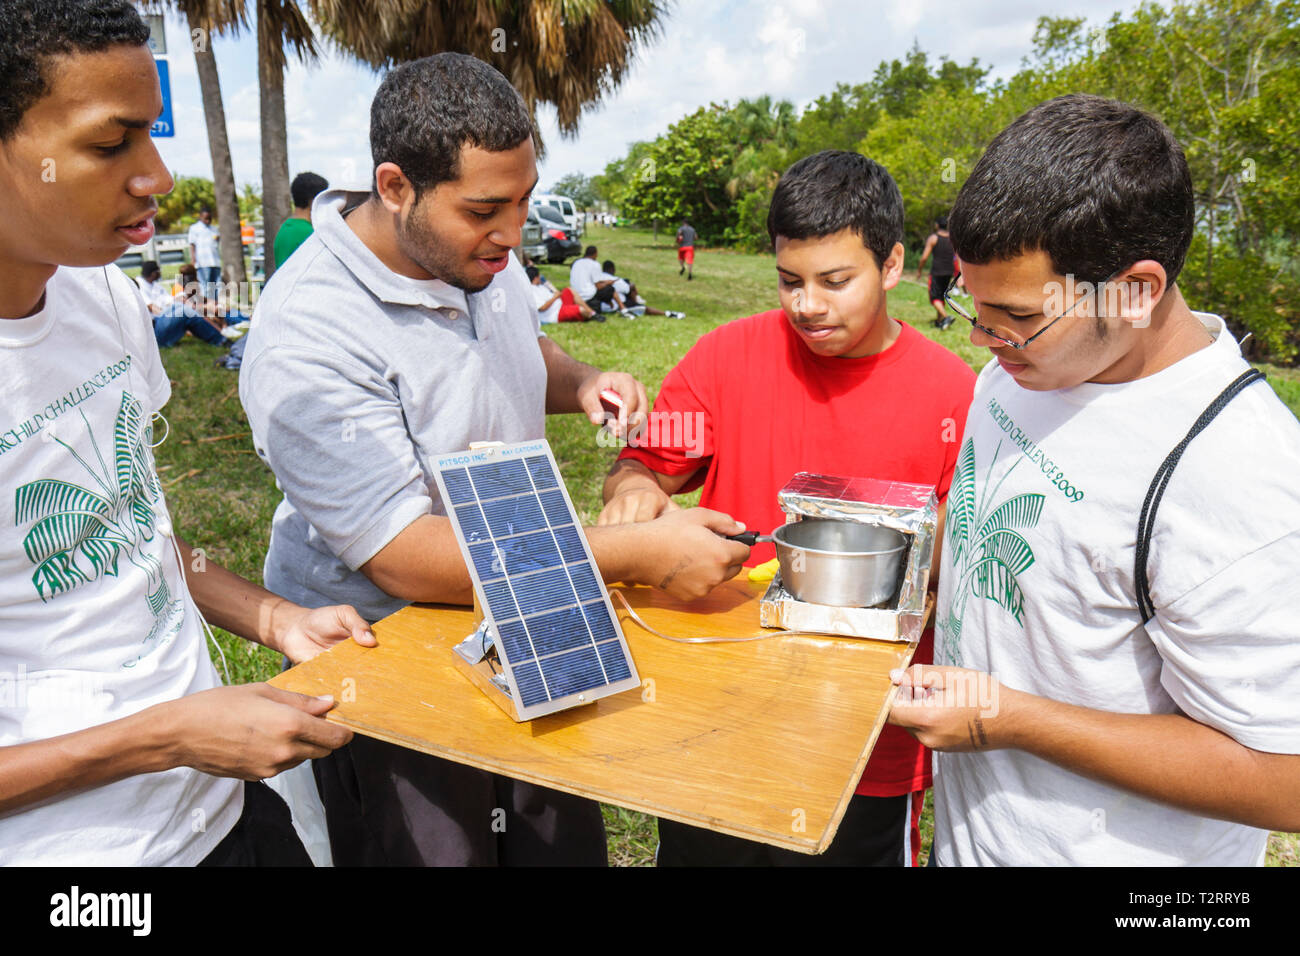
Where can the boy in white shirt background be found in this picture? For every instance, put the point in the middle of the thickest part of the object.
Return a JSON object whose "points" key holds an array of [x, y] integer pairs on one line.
{"points": [[205, 252]]}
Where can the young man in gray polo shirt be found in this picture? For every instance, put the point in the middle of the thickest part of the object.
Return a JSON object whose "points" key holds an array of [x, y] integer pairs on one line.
{"points": [[400, 330]]}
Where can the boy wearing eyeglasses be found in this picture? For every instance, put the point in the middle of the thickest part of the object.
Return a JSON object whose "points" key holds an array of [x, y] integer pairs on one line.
{"points": [[1122, 533], [827, 383]]}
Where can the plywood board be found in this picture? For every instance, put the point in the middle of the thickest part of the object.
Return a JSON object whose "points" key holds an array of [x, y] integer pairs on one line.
{"points": [[764, 739]]}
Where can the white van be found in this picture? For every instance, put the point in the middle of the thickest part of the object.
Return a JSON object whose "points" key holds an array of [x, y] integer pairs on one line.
{"points": [[565, 207]]}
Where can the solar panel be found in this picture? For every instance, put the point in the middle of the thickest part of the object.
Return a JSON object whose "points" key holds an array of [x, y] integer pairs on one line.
{"points": [[545, 607]]}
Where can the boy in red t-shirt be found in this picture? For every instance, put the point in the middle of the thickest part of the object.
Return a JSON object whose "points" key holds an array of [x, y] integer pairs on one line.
{"points": [[827, 383]]}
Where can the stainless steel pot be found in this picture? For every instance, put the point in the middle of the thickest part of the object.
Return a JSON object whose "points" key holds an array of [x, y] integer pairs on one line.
{"points": [[840, 563]]}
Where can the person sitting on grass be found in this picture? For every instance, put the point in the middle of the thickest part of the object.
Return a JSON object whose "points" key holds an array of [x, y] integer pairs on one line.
{"points": [[587, 284], [556, 305], [186, 282], [123, 749], [827, 383], [626, 288], [1117, 608], [156, 297], [205, 319]]}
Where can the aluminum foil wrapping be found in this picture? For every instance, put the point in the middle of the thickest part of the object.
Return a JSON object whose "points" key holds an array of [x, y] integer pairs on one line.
{"points": [[911, 509]]}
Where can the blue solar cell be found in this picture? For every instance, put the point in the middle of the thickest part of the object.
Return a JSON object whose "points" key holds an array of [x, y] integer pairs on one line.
{"points": [[472, 524], [529, 552], [529, 680], [602, 628], [459, 488], [543, 591], [515, 639], [535, 579], [573, 672], [557, 631], [499, 600], [584, 582], [487, 562], [615, 661], [556, 508], [539, 466], [507, 516], [498, 478], [570, 544]]}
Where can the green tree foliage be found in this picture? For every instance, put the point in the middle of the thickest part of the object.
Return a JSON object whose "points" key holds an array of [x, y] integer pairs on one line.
{"points": [[180, 208], [684, 175], [578, 187], [250, 203], [1224, 75], [612, 186]]}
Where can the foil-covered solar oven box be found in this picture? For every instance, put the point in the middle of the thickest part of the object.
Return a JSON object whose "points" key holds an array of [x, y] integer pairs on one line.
{"points": [[909, 508]]}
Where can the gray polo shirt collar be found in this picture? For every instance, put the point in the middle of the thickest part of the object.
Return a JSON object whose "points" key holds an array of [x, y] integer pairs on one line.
{"points": [[381, 281]]}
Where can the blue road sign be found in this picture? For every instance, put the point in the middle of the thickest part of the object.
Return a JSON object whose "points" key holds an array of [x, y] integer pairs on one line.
{"points": [[164, 127]]}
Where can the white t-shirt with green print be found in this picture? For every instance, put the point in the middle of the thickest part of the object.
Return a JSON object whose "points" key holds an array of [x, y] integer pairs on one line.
{"points": [[96, 622], [1036, 587]]}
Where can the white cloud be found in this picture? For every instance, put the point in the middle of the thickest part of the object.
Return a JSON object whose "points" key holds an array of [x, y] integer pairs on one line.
{"points": [[707, 52]]}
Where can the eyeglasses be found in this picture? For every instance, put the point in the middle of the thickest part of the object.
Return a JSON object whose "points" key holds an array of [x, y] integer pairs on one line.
{"points": [[1016, 344]]}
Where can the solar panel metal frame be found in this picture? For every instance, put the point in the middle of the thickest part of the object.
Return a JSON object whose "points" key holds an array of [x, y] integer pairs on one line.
{"points": [[476, 458]]}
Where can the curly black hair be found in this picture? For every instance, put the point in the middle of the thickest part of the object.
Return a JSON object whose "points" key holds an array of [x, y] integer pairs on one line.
{"points": [[34, 31], [425, 111]]}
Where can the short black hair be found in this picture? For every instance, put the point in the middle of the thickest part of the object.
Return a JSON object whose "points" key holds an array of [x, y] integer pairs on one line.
{"points": [[833, 190], [306, 187], [588, 252], [205, 208], [1095, 183], [608, 266], [425, 111], [149, 267], [941, 222], [34, 31], [532, 272]]}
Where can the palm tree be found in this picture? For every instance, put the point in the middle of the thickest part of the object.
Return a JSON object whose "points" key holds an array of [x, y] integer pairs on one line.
{"points": [[280, 25], [568, 54], [207, 18]]}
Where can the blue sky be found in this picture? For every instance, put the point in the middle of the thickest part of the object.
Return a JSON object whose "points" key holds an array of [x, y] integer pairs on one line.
{"points": [[708, 51]]}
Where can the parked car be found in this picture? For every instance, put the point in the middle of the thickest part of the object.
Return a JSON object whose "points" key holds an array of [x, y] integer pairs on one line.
{"points": [[533, 244], [566, 207], [561, 241]]}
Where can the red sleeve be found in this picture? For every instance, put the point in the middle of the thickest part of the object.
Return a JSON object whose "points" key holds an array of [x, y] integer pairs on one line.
{"points": [[677, 438]]}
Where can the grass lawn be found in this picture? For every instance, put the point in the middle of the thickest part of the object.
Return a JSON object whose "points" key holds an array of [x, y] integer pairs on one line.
{"points": [[222, 496]]}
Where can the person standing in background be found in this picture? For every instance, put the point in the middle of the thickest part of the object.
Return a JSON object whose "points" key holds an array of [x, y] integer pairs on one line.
{"points": [[304, 189], [686, 248], [942, 269], [205, 253]]}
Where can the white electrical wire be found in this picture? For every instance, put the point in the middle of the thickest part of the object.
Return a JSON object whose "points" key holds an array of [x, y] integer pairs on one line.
{"points": [[711, 640]]}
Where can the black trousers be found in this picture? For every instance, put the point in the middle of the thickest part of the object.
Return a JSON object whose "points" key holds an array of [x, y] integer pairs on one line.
{"points": [[603, 296], [872, 833], [264, 835], [389, 806]]}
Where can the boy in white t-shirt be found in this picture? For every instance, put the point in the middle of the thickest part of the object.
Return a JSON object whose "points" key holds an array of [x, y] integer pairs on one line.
{"points": [[1081, 722], [118, 746]]}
